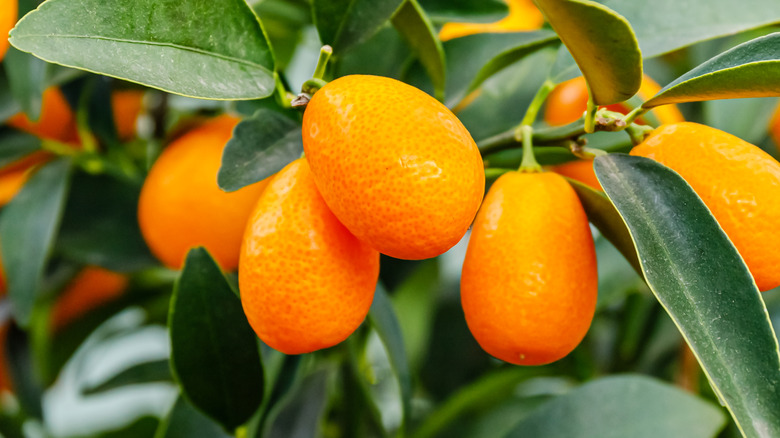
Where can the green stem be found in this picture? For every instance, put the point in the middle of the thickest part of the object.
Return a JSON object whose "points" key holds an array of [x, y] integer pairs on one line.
{"points": [[536, 103], [322, 62], [590, 115], [529, 163], [283, 96], [635, 114], [638, 133]]}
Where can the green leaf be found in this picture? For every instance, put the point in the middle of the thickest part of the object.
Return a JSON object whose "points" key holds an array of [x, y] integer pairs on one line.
{"points": [[214, 355], [414, 301], [261, 146], [26, 76], [145, 372], [623, 406], [184, 421], [604, 216], [345, 23], [175, 45], [100, 225], [384, 321], [16, 145], [28, 228], [746, 118], [603, 44], [700, 279], [416, 28], [471, 11], [662, 26], [300, 414], [751, 69]]}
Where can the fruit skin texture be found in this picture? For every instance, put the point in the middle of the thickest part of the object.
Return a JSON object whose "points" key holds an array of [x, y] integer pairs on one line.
{"points": [[523, 16], [395, 166], [181, 205], [569, 99], [529, 281], [306, 282], [8, 15], [738, 182]]}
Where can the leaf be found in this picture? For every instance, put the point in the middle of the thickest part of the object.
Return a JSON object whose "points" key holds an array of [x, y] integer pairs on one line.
{"points": [[700, 279], [346, 23], [261, 146], [100, 225], [174, 45], [659, 30], [751, 69], [300, 415], [184, 421], [144, 372], [16, 145], [746, 118], [414, 301], [604, 216], [214, 355], [623, 406], [471, 11], [416, 28], [28, 228], [26, 76], [384, 321], [603, 44]]}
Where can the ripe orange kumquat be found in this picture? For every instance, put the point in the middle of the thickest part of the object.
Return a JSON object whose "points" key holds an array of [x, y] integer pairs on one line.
{"points": [[523, 16], [579, 170], [56, 121], [90, 289], [127, 105], [181, 206], [8, 16], [738, 182], [529, 280], [397, 168], [306, 282]]}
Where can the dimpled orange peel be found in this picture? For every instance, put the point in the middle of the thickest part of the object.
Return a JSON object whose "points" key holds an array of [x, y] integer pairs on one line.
{"points": [[738, 182], [181, 206], [306, 282], [529, 280], [395, 166]]}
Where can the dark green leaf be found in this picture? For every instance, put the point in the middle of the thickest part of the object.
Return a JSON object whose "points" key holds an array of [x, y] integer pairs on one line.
{"points": [[384, 54], [384, 321], [261, 146], [414, 301], [26, 76], [416, 28], [15, 145], [28, 228], [214, 355], [100, 225], [21, 369], [144, 372], [603, 45], [8, 104], [184, 421], [142, 427], [345, 23], [606, 218], [173, 45], [746, 118], [751, 69], [300, 416], [472, 11], [702, 282], [662, 26], [620, 407]]}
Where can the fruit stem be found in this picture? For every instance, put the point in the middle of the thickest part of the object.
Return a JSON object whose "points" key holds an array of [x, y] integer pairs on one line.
{"points": [[590, 114], [635, 114], [638, 133], [536, 103], [322, 62], [283, 96], [529, 163]]}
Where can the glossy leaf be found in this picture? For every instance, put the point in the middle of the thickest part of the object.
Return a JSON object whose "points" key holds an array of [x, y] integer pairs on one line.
{"points": [[662, 26], [751, 69], [28, 227], [261, 146], [700, 279], [16, 144], [471, 11], [384, 321], [26, 76], [184, 421], [214, 355], [142, 373], [345, 23], [623, 406], [413, 24], [604, 216], [174, 45], [603, 45]]}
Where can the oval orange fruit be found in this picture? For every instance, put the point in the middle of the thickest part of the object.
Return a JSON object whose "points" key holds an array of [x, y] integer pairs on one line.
{"points": [[56, 121], [579, 170], [126, 105], [738, 182], [395, 166], [306, 282], [90, 289], [529, 281], [181, 205]]}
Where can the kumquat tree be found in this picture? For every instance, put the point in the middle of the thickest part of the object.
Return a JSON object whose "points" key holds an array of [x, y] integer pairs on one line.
{"points": [[389, 218]]}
